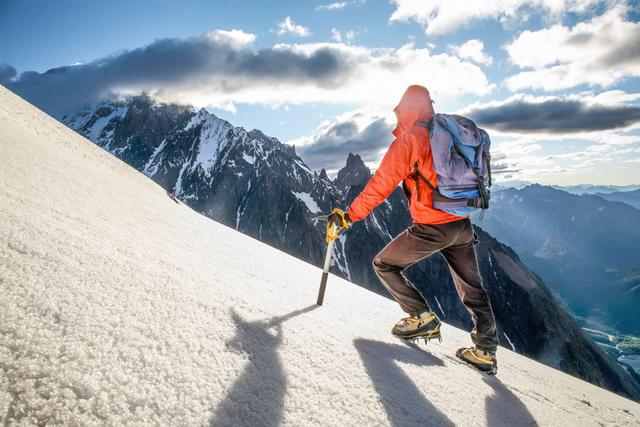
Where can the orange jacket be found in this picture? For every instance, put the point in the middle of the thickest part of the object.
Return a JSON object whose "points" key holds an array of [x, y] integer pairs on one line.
{"points": [[411, 146]]}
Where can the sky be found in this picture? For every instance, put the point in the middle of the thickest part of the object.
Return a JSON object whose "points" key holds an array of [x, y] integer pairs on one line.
{"points": [[556, 83]]}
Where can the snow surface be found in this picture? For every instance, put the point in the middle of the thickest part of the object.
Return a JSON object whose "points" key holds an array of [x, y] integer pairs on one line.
{"points": [[212, 141], [121, 306], [150, 168], [97, 129], [308, 200]]}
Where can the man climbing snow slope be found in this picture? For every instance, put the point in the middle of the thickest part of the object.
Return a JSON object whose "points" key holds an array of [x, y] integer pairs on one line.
{"points": [[409, 160]]}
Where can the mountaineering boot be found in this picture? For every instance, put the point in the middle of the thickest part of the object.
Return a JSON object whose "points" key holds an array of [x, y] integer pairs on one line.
{"points": [[482, 360], [425, 325]]}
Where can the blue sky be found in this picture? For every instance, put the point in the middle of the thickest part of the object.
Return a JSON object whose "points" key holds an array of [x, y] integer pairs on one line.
{"points": [[345, 65]]}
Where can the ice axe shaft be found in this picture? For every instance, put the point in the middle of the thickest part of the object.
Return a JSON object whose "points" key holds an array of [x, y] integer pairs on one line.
{"points": [[325, 273], [327, 263]]}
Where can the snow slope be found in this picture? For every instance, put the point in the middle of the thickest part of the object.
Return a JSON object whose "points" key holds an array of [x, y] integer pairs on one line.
{"points": [[119, 305]]}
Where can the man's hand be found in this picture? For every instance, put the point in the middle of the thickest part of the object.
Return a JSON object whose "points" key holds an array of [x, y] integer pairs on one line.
{"points": [[340, 220]]}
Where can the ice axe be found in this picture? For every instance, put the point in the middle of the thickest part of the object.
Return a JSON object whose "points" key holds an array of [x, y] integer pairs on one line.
{"points": [[332, 234]]}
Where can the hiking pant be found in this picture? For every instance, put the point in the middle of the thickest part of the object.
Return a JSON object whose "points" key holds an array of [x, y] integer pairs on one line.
{"points": [[456, 241]]}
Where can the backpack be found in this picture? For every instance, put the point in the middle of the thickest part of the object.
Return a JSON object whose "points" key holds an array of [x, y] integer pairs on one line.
{"points": [[461, 160]]}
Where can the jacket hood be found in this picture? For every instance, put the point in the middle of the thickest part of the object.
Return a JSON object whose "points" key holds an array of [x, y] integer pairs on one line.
{"points": [[414, 106]]}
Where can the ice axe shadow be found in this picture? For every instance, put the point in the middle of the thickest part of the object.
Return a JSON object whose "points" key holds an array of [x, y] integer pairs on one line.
{"points": [[257, 395]]}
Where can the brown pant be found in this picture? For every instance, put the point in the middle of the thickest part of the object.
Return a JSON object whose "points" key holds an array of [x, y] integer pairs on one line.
{"points": [[456, 241]]}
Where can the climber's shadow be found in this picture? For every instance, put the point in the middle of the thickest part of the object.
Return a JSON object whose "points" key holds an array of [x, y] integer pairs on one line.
{"points": [[257, 396], [503, 408], [404, 403]]}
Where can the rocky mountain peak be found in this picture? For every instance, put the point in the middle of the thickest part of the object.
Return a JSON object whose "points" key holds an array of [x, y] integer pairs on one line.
{"points": [[354, 173]]}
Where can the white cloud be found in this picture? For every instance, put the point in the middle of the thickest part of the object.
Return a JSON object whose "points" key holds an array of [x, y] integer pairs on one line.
{"points": [[333, 6], [339, 5], [568, 160], [223, 69], [440, 17], [378, 77], [336, 35], [235, 38], [365, 131], [599, 52], [473, 50], [289, 27]]}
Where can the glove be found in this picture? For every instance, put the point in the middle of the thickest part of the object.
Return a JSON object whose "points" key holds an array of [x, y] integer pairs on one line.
{"points": [[341, 221]]}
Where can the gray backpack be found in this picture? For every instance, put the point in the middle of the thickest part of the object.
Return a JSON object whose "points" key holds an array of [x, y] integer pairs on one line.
{"points": [[461, 159]]}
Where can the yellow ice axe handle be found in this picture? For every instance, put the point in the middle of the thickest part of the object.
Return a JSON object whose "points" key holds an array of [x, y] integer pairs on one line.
{"points": [[332, 231]]}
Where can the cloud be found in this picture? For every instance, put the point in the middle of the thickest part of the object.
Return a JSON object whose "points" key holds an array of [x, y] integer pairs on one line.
{"points": [[236, 39], [333, 6], [350, 34], [357, 132], [554, 115], [7, 73], [222, 68], [203, 70], [568, 159], [473, 50], [289, 27], [339, 5], [440, 17], [599, 52], [338, 36], [569, 139]]}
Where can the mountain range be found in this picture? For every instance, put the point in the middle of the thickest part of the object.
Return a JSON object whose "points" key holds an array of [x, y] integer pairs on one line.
{"points": [[261, 187], [631, 198], [585, 247], [594, 188]]}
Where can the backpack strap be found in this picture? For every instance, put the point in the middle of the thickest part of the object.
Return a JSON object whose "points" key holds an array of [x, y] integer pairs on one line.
{"points": [[487, 159]]}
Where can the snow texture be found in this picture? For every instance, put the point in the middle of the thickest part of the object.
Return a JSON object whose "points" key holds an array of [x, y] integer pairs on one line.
{"points": [[121, 306], [308, 200], [96, 131], [212, 141]]}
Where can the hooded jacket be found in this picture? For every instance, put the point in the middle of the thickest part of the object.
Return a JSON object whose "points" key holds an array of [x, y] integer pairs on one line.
{"points": [[410, 147]]}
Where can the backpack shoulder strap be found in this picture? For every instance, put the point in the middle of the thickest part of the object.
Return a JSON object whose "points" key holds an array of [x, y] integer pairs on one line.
{"points": [[416, 175]]}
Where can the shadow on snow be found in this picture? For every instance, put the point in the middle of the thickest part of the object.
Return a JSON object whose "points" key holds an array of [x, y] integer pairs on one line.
{"points": [[406, 405], [503, 408], [403, 402], [257, 396]]}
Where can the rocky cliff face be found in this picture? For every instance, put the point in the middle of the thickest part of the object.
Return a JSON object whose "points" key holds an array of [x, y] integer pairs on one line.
{"points": [[259, 186]]}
